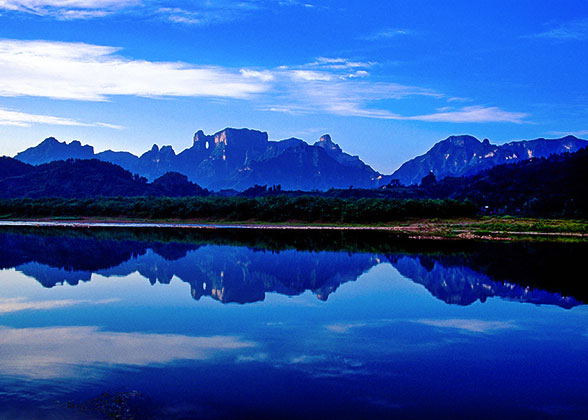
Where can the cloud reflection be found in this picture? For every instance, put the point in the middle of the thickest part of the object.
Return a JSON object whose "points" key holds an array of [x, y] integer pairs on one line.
{"points": [[470, 325], [343, 327], [57, 352], [18, 304]]}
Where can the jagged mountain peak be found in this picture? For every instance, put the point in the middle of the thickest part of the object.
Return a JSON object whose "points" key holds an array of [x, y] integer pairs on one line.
{"points": [[50, 140], [229, 133], [462, 140], [458, 138], [52, 149], [160, 151], [327, 143], [199, 135], [234, 144], [167, 150]]}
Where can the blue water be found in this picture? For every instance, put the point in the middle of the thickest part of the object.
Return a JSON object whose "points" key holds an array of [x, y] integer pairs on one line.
{"points": [[95, 328]]}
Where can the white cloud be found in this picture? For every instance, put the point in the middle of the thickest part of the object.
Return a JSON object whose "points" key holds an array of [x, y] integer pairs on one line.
{"points": [[178, 15], [61, 70], [571, 31], [358, 73], [264, 76], [470, 325], [342, 94], [214, 12], [22, 119], [332, 85], [193, 13], [80, 4], [472, 114], [338, 86], [339, 63], [387, 33], [68, 9], [310, 76], [458, 99], [58, 352]]}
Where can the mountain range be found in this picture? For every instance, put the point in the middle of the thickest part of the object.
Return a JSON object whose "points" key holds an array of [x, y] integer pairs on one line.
{"points": [[240, 158], [466, 155], [231, 158]]}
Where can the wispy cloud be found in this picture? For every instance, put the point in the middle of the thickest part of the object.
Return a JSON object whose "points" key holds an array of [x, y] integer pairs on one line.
{"points": [[341, 86], [296, 3], [307, 359], [343, 327], [191, 13], [336, 86], [23, 119], [87, 72], [58, 352], [178, 15], [339, 63], [214, 12], [576, 30], [348, 95], [10, 305], [386, 33], [202, 13], [469, 325], [458, 99], [68, 9], [472, 114]]}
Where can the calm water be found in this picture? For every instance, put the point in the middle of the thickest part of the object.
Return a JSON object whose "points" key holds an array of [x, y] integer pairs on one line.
{"points": [[160, 324]]}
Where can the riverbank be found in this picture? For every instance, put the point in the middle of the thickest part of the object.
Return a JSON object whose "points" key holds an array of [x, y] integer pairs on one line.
{"points": [[482, 228]]}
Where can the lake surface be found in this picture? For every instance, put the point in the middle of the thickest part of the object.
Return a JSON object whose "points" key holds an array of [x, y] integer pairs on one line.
{"points": [[174, 324]]}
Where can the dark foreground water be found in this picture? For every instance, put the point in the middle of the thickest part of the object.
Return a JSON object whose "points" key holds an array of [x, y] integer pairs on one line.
{"points": [[163, 324]]}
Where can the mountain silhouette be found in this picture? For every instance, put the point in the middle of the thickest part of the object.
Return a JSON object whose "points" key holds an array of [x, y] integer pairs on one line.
{"points": [[459, 156], [231, 158], [241, 158]]}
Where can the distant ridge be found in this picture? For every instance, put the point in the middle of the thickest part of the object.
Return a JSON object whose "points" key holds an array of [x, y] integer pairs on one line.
{"points": [[241, 158], [86, 178], [466, 155]]}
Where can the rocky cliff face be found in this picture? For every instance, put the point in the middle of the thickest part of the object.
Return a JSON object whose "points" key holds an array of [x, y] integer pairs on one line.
{"points": [[217, 158], [465, 155], [231, 158]]}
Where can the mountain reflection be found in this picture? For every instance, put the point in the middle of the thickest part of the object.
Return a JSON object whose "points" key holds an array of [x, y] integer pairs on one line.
{"points": [[229, 270]]}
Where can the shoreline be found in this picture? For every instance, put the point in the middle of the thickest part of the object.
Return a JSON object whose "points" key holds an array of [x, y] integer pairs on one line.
{"points": [[440, 229]]}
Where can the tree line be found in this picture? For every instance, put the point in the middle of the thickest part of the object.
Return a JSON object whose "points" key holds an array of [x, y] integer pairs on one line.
{"points": [[281, 208]]}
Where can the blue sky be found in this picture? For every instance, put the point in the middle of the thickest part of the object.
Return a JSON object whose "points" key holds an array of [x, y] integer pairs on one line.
{"points": [[386, 79]]}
